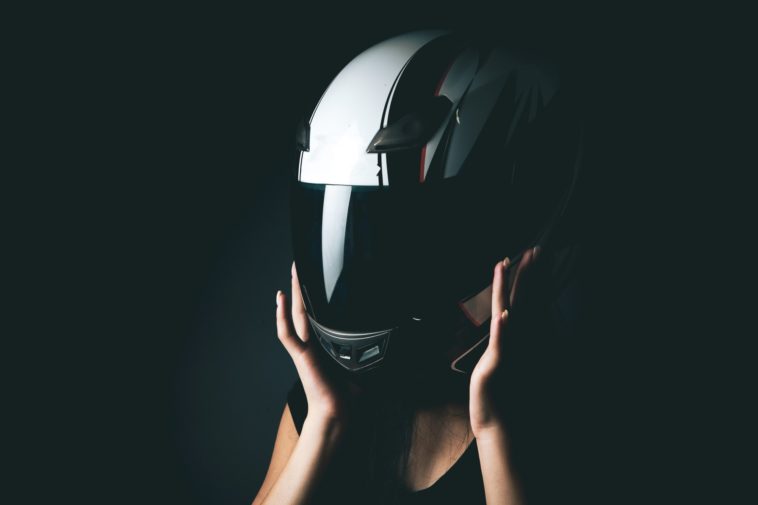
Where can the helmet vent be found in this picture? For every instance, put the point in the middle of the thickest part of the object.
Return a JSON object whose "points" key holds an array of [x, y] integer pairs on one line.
{"points": [[414, 129]]}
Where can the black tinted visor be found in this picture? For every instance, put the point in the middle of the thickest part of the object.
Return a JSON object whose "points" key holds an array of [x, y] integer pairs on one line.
{"points": [[354, 250], [369, 258]]}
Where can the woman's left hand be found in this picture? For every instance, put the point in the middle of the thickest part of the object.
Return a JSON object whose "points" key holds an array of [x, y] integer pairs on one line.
{"points": [[482, 411]]}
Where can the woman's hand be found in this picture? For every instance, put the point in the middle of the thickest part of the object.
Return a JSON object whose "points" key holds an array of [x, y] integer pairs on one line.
{"points": [[483, 415], [292, 480], [325, 403]]}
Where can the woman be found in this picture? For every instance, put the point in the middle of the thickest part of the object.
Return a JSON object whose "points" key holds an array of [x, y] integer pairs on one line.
{"points": [[300, 455], [475, 156]]}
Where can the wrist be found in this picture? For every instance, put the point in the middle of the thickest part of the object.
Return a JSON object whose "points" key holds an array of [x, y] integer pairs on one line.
{"points": [[491, 433], [328, 427]]}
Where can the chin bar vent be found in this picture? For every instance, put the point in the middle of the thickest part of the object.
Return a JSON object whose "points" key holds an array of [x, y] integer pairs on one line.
{"points": [[353, 350]]}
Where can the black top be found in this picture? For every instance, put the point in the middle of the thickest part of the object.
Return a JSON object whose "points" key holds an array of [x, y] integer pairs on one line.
{"points": [[461, 484]]}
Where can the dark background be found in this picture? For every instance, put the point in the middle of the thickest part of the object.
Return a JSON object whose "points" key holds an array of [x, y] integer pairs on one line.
{"points": [[168, 138]]}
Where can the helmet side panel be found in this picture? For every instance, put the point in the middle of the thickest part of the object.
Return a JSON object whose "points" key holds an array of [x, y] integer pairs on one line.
{"points": [[350, 112]]}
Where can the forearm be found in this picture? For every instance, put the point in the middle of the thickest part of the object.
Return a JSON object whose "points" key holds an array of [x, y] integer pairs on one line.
{"points": [[500, 485], [315, 447]]}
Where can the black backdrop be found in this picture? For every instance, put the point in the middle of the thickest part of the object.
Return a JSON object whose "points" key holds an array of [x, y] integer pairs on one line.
{"points": [[170, 136]]}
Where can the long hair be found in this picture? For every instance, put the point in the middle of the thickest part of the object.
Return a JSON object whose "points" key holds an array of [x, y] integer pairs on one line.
{"points": [[391, 398], [533, 381]]}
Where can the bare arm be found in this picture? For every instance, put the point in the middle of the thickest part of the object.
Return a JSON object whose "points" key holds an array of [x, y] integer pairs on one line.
{"points": [[298, 461], [284, 445], [500, 484], [292, 482]]}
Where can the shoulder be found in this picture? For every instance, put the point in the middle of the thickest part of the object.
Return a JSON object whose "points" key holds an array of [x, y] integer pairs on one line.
{"points": [[284, 444], [297, 403]]}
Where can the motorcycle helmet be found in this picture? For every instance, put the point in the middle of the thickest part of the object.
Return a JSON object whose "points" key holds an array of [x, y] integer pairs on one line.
{"points": [[428, 158]]}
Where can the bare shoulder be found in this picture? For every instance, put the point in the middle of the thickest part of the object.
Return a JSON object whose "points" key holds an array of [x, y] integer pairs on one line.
{"points": [[286, 439]]}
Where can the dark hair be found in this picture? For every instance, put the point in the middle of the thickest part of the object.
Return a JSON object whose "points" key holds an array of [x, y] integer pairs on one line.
{"points": [[533, 384], [393, 396]]}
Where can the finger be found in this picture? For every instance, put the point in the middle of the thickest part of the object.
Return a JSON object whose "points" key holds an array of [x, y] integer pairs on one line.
{"points": [[498, 286], [299, 315], [284, 329], [498, 301], [521, 273], [497, 328]]}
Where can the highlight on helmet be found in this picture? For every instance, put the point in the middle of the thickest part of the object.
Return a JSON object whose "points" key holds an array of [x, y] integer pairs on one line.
{"points": [[427, 159]]}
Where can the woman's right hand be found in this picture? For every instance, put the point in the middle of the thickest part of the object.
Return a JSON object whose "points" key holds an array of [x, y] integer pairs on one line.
{"points": [[296, 468], [325, 403]]}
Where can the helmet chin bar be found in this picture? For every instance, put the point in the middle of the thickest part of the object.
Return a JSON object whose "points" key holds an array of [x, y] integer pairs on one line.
{"points": [[362, 351], [355, 351]]}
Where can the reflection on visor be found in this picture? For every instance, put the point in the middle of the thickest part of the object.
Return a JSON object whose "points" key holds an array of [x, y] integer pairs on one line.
{"points": [[334, 220]]}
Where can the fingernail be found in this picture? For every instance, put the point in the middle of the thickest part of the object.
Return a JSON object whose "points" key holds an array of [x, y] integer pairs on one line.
{"points": [[535, 251], [506, 262], [277, 296], [504, 314]]}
